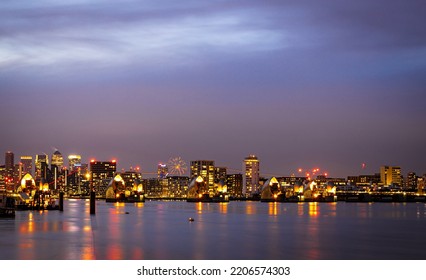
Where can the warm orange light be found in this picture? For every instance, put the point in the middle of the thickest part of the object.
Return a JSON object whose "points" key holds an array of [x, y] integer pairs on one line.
{"points": [[114, 161], [92, 160]]}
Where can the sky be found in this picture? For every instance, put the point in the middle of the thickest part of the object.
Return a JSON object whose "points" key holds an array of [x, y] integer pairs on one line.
{"points": [[301, 84]]}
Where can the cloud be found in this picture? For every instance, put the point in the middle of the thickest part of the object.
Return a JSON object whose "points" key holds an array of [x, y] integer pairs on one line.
{"points": [[160, 70], [112, 35]]}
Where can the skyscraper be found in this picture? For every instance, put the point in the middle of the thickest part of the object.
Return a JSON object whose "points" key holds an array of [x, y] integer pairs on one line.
{"points": [[57, 160], [74, 161], [27, 164], [9, 163], [251, 175], [205, 169], [41, 160]]}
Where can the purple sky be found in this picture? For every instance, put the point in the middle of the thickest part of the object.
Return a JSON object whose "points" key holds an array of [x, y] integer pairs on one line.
{"points": [[328, 84]]}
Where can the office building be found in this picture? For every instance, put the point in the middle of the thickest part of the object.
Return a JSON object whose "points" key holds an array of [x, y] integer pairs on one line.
{"points": [[39, 160], [9, 163], [27, 164], [390, 175], [57, 160], [74, 161]]}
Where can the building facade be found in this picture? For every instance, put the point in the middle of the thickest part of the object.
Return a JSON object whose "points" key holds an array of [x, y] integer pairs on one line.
{"points": [[205, 169], [27, 164], [41, 161], [57, 161], [390, 176], [234, 182], [101, 173], [251, 167], [9, 163]]}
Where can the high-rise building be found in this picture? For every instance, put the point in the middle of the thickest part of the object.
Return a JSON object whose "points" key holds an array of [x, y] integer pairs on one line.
{"points": [[75, 171], [205, 169], [57, 160], [234, 182], [251, 175], [27, 164], [9, 163], [162, 171], [102, 171], [390, 175], [74, 161], [39, 161]]}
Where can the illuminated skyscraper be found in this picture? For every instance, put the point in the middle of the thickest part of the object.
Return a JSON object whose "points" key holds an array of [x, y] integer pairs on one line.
{"points": [[40, 161], [390, 175], [205, 169], [27, 164], [57, 160], [74, 161], [75, 171], [251, 175]]}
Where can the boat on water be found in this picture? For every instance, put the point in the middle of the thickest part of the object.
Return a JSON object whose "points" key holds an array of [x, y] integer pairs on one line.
{"points": [[7, 206]]}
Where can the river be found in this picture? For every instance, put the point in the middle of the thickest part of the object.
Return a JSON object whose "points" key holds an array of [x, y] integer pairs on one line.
{"points": [[236, 231]]}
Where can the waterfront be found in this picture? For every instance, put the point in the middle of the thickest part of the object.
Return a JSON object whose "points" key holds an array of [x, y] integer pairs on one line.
{"points": [[235, 230]]}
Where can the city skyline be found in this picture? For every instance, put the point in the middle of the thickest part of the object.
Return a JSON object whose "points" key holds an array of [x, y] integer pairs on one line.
{"points": [[153, 171], [300, 85]]}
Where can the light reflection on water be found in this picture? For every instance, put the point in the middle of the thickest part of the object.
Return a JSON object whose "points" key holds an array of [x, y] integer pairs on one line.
{"points": [[235, 230]]}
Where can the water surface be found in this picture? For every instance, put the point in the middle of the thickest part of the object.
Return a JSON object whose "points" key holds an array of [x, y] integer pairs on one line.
{"points": [[235, 230]]}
